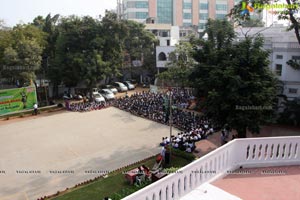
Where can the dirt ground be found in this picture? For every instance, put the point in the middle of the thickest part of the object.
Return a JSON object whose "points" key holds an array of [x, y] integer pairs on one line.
{"points": [[76, 142], [44, 154]]}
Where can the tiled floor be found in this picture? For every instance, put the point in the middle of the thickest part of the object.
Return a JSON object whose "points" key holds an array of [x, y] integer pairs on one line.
{"points": [[271, 183]]}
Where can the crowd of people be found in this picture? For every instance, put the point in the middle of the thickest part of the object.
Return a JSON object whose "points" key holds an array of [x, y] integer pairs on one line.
{"points": [[153, 106], [186, 140], [86, 106]]}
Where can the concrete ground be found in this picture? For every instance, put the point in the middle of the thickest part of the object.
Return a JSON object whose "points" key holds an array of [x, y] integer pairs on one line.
{"points": [[42, 155]]}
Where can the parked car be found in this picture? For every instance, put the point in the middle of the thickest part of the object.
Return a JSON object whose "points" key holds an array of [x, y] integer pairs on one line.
{"points": [[129, 85], [67, 96], [78, 97], [98, 97], [120, 87], [112, 88], [107, 94]]}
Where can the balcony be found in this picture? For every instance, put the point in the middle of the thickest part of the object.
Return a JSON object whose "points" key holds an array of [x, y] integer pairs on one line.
{"points": [[197, 176]]}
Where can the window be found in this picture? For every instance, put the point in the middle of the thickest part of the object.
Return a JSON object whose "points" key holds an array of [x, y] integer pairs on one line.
{"points": [[141, 15], [279, 56], [278, 69], [130, 4], [220, 16], [164, 34], [295, 57], [203, 6], [201, 25], [187, 24], [131, 15], [293, 90], [168, 42], [187, 5], [187, 15], [203, 16], [162, 56], [221, 7], [172, 57], [141, 4], [165, 11], [182, 34]]}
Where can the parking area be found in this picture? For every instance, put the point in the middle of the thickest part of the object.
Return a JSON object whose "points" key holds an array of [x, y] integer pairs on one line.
{"points": [[46, 154]]}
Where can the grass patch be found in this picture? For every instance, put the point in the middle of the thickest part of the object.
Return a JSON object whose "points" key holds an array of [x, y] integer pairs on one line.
{"points": [[114, 185]]}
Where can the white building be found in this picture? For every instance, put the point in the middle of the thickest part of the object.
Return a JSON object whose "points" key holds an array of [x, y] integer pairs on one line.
{"points": [[284, 46], [168, 37]]}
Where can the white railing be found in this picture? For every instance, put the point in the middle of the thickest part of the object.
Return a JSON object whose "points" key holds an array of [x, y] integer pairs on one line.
{"points": [[252, 152]]}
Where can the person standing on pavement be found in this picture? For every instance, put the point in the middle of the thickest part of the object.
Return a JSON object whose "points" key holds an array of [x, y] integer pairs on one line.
{"points": [[35, 109]]}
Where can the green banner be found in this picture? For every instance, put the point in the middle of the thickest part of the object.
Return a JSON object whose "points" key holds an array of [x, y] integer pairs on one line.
{"points": [[12, 100]]}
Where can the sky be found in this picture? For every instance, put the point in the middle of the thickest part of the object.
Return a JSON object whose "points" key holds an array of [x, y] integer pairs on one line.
{"points": [[23, 11]]}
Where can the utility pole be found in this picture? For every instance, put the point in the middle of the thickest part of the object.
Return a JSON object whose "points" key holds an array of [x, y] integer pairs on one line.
{"points": [[170, 121]]}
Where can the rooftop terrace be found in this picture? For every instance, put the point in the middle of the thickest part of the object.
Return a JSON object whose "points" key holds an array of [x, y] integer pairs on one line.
{"points": [[214, 175]]}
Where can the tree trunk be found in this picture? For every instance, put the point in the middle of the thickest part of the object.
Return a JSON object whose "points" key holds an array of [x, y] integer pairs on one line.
{"points": [[91, 99], [55, 91], [294, 21], [242, 132]]}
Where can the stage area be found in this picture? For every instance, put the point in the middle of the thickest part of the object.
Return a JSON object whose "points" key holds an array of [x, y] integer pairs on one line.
{"points": [[42, 155]]}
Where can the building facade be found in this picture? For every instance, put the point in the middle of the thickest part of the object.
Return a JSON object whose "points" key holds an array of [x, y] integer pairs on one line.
{"points": [[283, 46], [177, 12]]}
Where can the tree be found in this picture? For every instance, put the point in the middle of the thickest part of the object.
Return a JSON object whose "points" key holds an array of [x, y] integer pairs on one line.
{"points": [[49, 26], [234, 79], [291, 112], [288, 13], [140, 45], [114, 33], [252, 23], [21, 53], [180, 65], [77, 48], [88, 50]]}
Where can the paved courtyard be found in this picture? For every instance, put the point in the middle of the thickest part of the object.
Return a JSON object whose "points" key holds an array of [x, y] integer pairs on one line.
{"points": [[45, 154]]}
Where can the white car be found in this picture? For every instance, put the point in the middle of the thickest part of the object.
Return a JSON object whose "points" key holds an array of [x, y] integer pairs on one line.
{"points": [[98, 97], [120, 87], [112, 88], [129, 85], [107, 94]]}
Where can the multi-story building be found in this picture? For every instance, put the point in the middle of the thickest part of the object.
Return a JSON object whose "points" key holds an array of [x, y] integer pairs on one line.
{"points": [[177, 12], [283, 46], [168, 36]]}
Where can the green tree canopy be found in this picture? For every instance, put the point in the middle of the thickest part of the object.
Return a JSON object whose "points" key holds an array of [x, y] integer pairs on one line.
{"points": [[234, 79], [289, 13], [180, 65], [21, 50]]}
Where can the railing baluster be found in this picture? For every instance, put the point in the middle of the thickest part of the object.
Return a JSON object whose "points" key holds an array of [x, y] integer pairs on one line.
{"points": [[252, 152]]}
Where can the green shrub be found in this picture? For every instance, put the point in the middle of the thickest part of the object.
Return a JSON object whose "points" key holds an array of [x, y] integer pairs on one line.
{"points": [[183, 154], [171, 170]]}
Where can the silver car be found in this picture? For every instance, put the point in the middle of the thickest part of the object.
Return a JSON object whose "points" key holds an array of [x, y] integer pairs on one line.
{"points": [[98, 97], [129, 85], [112, 88], [107, 94], [120, 87]]}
